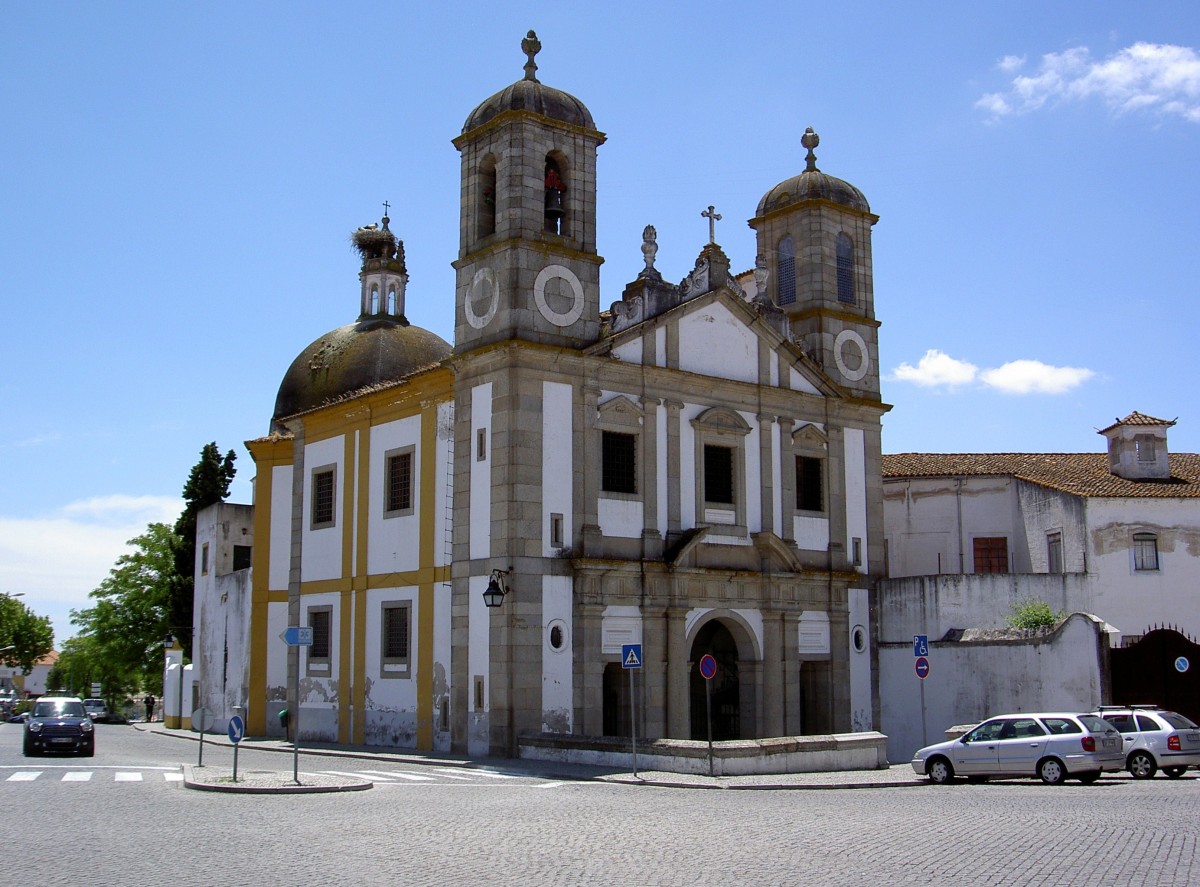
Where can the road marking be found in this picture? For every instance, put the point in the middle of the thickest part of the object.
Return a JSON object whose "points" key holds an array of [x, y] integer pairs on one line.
{"points": [[25, 776], [77, 776], [487, 774], [128, 777], [396, 774], [173, 777]]}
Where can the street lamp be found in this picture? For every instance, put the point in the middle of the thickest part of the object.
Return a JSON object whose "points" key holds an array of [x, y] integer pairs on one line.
{"points": [[493, 595]]}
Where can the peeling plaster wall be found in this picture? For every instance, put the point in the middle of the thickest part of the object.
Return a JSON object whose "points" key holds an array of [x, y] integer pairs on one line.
{"points": [[1135, 600], [390, 696], [973, 680]]}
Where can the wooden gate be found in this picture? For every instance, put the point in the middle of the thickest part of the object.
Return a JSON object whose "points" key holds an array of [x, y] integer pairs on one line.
{"points": [[1161, 669]]}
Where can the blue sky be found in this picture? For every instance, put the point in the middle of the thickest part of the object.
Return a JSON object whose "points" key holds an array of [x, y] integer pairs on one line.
{"points": [[178, 183]]}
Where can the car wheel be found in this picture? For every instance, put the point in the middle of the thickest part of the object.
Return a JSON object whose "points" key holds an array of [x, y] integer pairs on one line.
{"points": [[1052, 771], [1174, 772], [939, 771], [1141, 765], [1090, 777], [89, 751]]}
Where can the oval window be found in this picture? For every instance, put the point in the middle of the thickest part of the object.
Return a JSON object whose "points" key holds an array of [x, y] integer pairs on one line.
{"points": [[558, 635], [858, 637]]}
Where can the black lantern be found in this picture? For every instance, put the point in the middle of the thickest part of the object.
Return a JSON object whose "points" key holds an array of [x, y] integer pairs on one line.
{"points": [[493, 595]]}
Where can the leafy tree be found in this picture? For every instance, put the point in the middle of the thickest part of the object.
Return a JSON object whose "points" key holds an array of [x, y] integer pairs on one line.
{"points": [[82, 661], [207, 484], [1031, 614], [122, 634], [25, 637]]}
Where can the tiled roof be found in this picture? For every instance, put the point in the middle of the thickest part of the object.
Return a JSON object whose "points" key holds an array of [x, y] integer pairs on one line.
{"points": [[1136, 418], [1082, 474]]}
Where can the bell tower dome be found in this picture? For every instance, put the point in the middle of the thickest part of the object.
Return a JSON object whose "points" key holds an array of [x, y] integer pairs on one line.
{"points": [[527, 263], [814, 234]]}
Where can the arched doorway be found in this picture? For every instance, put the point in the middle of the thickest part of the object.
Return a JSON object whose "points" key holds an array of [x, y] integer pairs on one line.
{"points": [[716, 639]]}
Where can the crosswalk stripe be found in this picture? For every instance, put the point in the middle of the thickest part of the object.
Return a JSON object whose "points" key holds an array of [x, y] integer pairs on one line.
{"points": [[77, 776], [486, 774], [25, 776], [128, 777], [396, 774], [173, 777]]}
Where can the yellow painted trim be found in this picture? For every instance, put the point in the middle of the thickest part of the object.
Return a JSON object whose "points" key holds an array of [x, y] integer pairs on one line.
{"points": [[425, 558], [358, 694]]}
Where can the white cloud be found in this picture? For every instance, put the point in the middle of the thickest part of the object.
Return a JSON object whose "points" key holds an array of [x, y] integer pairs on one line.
{"points": [[936, 369], [57, 560], [1151, 76], [1034, 377]]}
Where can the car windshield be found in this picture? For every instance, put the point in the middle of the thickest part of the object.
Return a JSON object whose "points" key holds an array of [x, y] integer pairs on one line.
{"points": [[1178, 721], [67, 708], [93, 703]]}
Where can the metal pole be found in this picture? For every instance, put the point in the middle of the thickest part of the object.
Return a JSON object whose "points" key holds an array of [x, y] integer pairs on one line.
{"points": [[924, 730], [633, 720], [235, 751], [708, 706]]}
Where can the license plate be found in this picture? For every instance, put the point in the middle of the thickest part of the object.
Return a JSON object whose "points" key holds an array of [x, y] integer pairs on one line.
{"points": [[1193, 737], [62, 740], [1110, 743]]}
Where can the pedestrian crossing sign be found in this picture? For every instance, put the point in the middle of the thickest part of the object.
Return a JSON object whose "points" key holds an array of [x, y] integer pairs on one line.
{"points": [[631, 656]]}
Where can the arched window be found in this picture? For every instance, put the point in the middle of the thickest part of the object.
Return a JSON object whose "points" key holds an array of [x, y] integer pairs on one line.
{"points": [[373, 307], [845, 270], [785, 280], [391, 300], [556, 196], [486, 224]]}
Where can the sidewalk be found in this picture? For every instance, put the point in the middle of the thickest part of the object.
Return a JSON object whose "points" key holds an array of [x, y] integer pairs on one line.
{"points": [[216, 774]]}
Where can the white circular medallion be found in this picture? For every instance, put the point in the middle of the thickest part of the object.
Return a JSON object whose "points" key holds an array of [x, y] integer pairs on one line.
{"points": [[558, 272], [855, 362], [483, 293]]}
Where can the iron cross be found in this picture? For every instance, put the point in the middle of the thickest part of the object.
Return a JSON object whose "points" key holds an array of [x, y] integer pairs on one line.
{"points": [[713, 217]]}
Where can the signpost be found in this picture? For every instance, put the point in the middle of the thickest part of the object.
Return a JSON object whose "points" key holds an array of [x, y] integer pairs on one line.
{"points": [[921, 666], [201, 720], [631, 661], [1182, 664], [296, 636], [708, 670], [237, 729]]}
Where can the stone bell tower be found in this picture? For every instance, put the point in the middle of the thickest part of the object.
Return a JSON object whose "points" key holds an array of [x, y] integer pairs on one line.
{"points": [[814, 233], [527, 263]]}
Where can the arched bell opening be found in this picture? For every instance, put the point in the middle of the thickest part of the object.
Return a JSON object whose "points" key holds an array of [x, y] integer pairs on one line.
{"points": [[485, 213], [556, 194]]}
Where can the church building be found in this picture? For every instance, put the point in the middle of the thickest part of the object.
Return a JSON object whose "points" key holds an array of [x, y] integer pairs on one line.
{"points": [[480, 534]]}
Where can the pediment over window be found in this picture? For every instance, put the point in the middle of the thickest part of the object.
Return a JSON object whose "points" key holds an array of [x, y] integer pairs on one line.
{"points": [[722, 419], [620, 411], [809, 437]]}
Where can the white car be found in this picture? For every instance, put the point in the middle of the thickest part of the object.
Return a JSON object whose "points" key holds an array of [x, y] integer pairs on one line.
{"points": [[96, 709], [1051, 746]]}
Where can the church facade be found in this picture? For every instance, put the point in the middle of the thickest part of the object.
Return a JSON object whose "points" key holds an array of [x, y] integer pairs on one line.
{"points": [[476, 532]]}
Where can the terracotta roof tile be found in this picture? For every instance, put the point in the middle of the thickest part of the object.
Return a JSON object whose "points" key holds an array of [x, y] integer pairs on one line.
{"points": [[1136, 418], [1082, 474]]}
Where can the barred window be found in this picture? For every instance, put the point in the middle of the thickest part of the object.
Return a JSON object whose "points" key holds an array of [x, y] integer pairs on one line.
{"points": [[618, 462], [322, 498], [785, 283], [395, 642], [718, 474], [809, 484], [991, 554], [845, 270], [399, 481], [319, 621]]}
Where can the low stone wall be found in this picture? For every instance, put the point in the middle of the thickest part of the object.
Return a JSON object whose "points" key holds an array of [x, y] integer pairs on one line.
{"points": [[781, 754]]}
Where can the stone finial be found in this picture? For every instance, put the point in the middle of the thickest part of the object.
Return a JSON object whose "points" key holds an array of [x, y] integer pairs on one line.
{"points": [[762, 275], [810, 140], [531, 46], [649, 248]]}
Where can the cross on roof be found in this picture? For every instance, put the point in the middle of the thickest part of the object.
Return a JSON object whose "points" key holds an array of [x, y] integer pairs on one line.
{"points": [[713, 217]]}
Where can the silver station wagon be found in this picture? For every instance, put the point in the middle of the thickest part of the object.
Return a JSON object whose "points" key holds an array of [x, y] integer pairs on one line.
{"points": [[1052, 746]]}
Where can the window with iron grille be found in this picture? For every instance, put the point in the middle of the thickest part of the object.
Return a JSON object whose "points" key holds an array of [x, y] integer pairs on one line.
{"points": [[809, 484], [618, 462], [1054, 553], [399, 499], [322, 498], [718, 474], [396, 639], [1145, 552], [319, 620], [785, 284], [845, 270], [991, 554]]}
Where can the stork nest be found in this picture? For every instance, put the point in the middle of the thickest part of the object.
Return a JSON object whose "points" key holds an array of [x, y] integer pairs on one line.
{"points": [[373, 242]]}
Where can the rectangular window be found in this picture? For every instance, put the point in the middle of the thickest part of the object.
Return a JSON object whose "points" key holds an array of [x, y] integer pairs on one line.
{"points": [[1145, 552], [718, 474], [204, 559], [396, 638], [1145, 448], [991, 554], [241, 557], [399, 497], [809, 493], [322, 498], [856, 551], [320, 619], [1054, 553], [618, 460], [556, 530], [481, 445]]}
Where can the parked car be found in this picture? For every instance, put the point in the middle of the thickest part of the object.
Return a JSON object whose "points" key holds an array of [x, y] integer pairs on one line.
{"points": [[1155, 739], [1052, 746], [96, 709], [59, 723]]}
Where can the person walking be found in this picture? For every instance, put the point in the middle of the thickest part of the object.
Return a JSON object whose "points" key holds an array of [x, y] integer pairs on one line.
{"points": [[149, 700]]}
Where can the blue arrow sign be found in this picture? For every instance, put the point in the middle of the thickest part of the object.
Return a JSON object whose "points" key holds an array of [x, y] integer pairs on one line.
{"points": [[297, 636], [237, 729], [631, 656]]}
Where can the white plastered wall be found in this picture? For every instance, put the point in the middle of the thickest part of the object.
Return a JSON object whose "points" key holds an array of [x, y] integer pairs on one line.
{"points": [[855, 453], [281, 527], [321, 555], [392, 542], [557, 671], [712, 342], [557, 465]]}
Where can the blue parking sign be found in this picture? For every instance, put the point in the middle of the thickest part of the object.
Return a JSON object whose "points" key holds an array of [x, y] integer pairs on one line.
{"points": [[920, 645]]}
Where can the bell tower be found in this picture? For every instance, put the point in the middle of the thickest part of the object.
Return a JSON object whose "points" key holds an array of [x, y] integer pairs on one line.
{"points": [[814, 234], [527, 263]]}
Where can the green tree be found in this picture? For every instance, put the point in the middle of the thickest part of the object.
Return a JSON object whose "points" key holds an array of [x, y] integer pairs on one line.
{"points": [[25, 637], [1031, 614], [122, 635], [207, 484]]}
